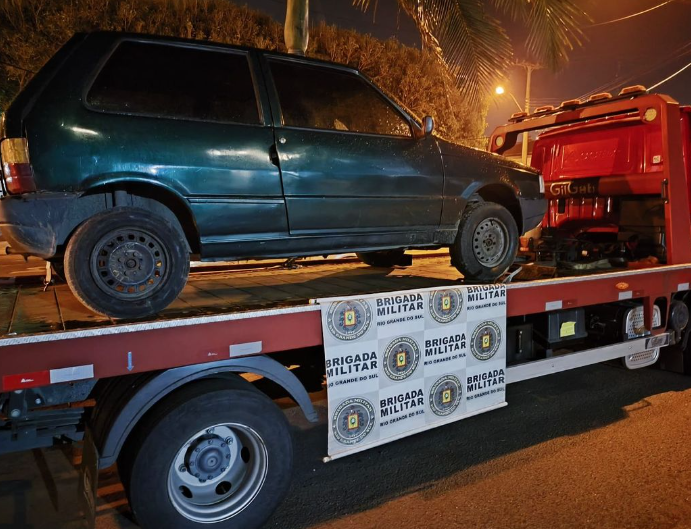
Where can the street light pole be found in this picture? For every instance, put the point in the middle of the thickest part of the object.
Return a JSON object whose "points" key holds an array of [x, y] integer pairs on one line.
{"points": [[500, 91], [529, 67], [524, 151]]}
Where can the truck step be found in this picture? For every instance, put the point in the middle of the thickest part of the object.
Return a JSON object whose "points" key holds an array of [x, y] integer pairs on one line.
{"points": [[642, 359]]}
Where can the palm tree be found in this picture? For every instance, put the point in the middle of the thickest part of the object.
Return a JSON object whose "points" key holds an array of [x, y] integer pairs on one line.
{"points": [[474, 46]]}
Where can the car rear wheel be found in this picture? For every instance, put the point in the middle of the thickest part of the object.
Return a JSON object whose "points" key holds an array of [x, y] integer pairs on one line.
{"points": [[126, 263], [382, 259], [210, 455], [486, 242]]}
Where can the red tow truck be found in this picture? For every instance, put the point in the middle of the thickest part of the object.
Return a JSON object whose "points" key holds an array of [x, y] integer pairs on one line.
{"points": [[614, 167]]}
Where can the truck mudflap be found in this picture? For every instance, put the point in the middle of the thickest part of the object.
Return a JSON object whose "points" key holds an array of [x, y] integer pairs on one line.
{"points": [[88, 481]]}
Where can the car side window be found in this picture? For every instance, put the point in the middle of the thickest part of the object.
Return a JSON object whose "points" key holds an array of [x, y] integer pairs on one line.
{"points": [[331, 99], [176, 82]]}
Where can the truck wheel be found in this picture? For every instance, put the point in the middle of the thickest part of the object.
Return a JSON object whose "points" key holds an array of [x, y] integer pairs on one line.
{"points": [[209, 456], [486, 242], [383, 259], [126, 263]]}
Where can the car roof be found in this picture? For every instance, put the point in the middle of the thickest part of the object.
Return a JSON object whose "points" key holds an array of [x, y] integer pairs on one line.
{"points": [[115, 36]]}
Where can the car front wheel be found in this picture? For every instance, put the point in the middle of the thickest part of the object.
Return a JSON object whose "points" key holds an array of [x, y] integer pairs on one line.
{"points": [[486, 242], [126, 263]]}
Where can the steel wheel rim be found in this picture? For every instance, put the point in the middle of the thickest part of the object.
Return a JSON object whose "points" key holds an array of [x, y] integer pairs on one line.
{"points": [[129, 264], [490, 242], [218, 472]]}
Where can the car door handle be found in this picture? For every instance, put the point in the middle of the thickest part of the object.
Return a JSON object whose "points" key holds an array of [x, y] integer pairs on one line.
{"points": [[273, 155]]}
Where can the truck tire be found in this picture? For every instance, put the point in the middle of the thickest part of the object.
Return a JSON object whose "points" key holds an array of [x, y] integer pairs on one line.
{"points": [[126, 263], [486, 242], [382, 259], [210, 455]]}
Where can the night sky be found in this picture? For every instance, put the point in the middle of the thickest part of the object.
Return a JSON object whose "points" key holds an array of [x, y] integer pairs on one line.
{"points": [[642, 50]]}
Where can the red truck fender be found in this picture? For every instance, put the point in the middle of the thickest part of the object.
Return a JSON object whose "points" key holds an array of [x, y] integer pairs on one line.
{"points": [[112, 424]]}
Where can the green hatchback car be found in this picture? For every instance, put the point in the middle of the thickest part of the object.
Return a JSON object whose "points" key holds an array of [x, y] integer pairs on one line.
{"points": [[126, 154]]}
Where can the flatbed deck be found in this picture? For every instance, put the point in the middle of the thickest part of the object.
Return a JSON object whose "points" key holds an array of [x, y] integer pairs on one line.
{"points": [[27, 309]]}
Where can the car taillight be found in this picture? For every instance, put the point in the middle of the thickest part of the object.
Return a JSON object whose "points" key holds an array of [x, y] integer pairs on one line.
{"points": [[16, 169]]}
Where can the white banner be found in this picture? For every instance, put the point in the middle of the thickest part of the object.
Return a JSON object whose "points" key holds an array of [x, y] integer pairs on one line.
{"points": [[404, 362]]}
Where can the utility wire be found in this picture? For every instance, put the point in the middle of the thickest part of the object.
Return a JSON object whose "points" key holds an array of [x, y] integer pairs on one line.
{"points": [[612, 85], [632, 15], [670, 77], [683, 50]]}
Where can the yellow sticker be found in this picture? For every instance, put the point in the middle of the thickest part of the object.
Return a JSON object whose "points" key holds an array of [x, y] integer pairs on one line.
{"points": [[568, 328], [349, 318], [353, 421]]}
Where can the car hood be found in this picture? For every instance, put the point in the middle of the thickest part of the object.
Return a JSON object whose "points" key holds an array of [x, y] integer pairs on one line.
{"points": [[447, 148]]}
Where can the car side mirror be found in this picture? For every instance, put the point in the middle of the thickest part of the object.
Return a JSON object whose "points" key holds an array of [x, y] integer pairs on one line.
{"points": [[427, 125]]}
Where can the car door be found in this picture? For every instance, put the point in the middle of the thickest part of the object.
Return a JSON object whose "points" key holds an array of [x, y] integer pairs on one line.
{"points": [[193, 119], [347, 155]]}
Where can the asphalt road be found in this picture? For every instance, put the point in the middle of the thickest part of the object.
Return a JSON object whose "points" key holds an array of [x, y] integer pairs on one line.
{"points": [[598, 447]]}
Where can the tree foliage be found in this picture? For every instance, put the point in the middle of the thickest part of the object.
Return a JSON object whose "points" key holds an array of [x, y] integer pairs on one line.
{"points": [[467, 37], [31, 31]]}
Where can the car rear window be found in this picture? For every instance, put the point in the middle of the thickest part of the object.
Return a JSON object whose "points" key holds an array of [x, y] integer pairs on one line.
{"points": [[176, 82]]}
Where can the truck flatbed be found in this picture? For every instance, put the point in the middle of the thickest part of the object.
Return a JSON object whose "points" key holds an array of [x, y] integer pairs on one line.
{"points": [[26, 308], [49, 337]]}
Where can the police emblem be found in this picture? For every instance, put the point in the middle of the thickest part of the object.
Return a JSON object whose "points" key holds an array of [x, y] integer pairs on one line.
{"points": [[350, 319], [445, 305], [445, 395], [353, 420], [485, 340], [401, 358]]}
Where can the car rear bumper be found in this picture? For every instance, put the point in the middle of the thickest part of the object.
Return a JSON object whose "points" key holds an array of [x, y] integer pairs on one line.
{"points": [[33, 224], [533, 211]]}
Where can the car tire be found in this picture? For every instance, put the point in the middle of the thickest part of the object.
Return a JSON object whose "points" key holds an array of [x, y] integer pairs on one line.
{"points": [[486, 242], [240, 422], [126, 263], [382, 259]]}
